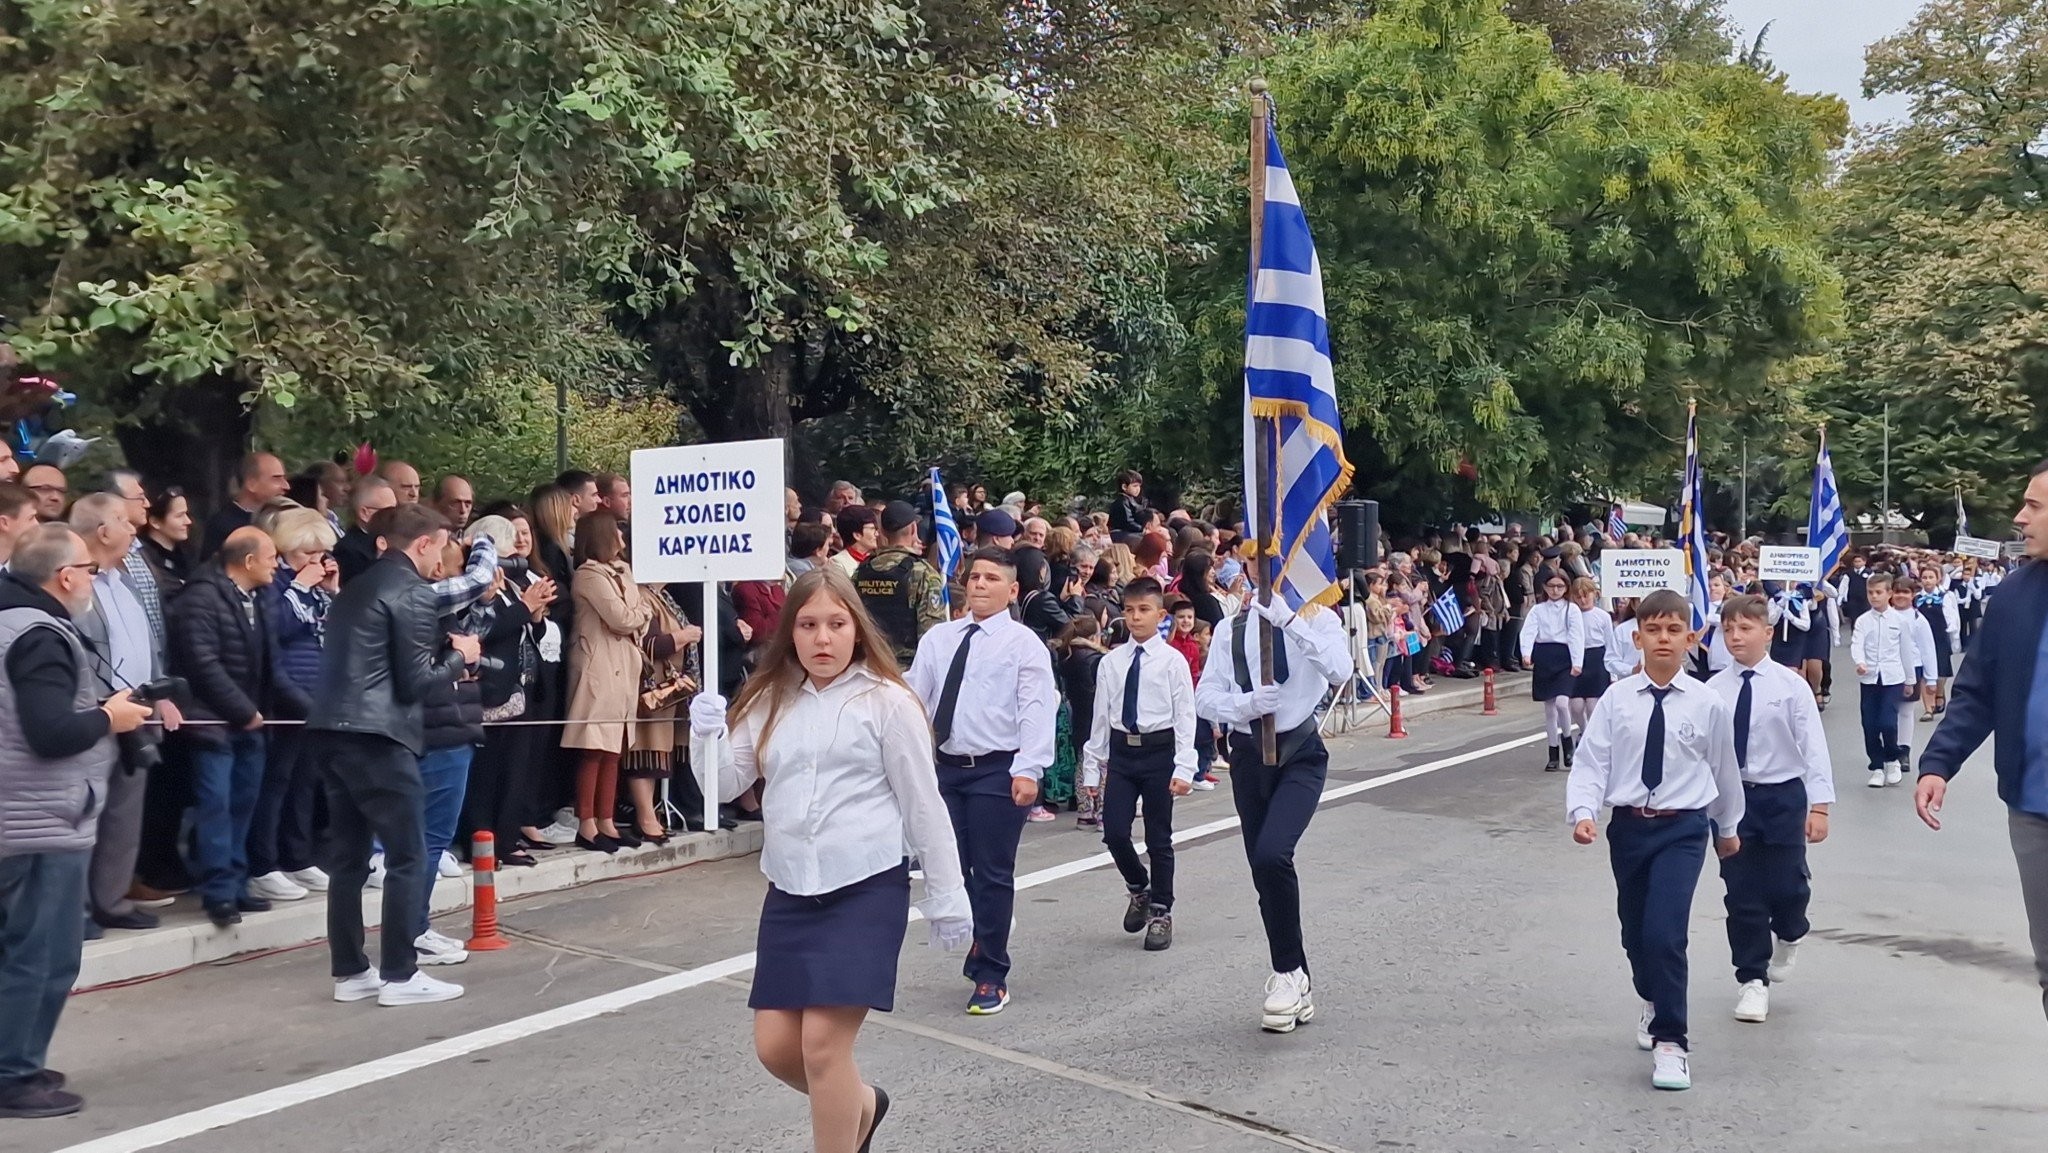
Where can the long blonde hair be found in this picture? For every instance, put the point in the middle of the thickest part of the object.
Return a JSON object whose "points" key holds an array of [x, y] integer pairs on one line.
{"points": [[1123, 566], [779, 673]]}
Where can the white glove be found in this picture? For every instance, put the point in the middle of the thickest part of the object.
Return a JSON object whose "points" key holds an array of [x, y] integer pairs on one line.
{"points": [[950, 933], [707, 715], [1276, 612], [1265, 700]]}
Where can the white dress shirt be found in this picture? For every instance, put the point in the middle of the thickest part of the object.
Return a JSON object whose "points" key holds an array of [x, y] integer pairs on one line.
{"points": [[1699, 754], [1923, 656], [1786, 741], [1555, 622], [1008, 700], [849, 782], [1881, 644], [1166, 699], [1598, 625], [1718, 656], [1318, 658], [1623, 657]]}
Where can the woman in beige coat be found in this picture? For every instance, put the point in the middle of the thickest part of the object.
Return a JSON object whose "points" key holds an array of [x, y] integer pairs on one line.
{"points": [[604, 674]]}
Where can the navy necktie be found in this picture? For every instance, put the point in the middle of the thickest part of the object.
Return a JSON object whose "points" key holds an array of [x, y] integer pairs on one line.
{"points": [[1131, 690], [1653, 742], [949, 695], [1742, 701]]}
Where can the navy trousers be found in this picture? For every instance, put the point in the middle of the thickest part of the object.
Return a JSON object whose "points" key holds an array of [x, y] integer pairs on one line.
{"points": [[1767, 881], [1274, 803], [1135, 774], [1880, 711], [1656, 863], [987, 825], [42, 931]]}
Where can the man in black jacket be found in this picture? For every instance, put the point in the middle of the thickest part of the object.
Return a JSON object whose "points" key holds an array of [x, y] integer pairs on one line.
{"points": [[356, 551], [220, 643], [384, 651]]}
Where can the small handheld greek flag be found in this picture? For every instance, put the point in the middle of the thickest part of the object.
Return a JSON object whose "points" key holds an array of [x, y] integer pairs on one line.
{"points": [[1616, 526], [946, 534], [1445, 611]]}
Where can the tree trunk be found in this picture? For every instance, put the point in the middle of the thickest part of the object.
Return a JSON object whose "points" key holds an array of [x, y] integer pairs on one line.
{"points": [[194, 440]]}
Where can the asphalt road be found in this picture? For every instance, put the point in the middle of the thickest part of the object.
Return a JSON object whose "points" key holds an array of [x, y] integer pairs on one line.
{"points": [[1471, 991]]}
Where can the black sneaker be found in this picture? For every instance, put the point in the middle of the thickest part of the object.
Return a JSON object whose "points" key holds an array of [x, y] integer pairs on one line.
{"points": [[1159, 930], [1567, 752], [249, 904], [34, 1099], [1139, 912], [133, 919]]}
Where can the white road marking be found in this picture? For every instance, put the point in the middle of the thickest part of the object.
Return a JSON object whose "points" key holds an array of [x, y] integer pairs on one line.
{"points": [[186, 1125]]}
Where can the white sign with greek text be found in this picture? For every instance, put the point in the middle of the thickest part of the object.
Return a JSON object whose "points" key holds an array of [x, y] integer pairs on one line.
{"points": [[1638, 572], [708, 512], [1787, 564], [2015, 549], [1978, 547]]}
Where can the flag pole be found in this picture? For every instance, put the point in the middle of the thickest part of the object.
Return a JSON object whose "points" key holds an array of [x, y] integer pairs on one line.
{"points": [[1263, 428]]}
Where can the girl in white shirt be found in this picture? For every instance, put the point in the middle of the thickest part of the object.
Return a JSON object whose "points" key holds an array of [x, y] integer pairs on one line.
{"points": [[1554, 648], [845, 752], [1593, 678]]}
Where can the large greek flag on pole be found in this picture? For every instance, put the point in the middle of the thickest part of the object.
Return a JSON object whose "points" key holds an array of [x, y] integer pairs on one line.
{"points": [[1692, 523], [1288, 377], [1826, 529], [946, 533]]}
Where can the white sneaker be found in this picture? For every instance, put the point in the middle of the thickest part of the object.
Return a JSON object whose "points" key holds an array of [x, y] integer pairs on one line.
{"points": [[1220, 765], [276, 887], [1643, 1039], [559, 834], [449, 867], [360, 987], [1753, 1004], [420, 989], [1784, 955], [1876, 780], [376, 878], [1893, 774], [1204, 785], [1670, 1069], [434, 949], [1288, 1002], [313, 879]]}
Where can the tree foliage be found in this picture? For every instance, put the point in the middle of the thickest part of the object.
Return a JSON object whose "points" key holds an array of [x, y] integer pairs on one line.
{"points": [[1939, 229]]}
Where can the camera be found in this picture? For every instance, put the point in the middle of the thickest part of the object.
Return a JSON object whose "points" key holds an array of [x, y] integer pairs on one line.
{"points": [[160, 689], [514, 566]]}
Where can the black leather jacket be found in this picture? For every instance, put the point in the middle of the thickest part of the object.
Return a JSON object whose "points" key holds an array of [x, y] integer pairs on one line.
{"points": [[384, 649]]}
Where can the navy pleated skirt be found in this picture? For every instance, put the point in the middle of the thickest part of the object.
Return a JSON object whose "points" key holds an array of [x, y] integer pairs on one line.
{"points": [[1593, 679], [1550, 668], [837, 948]]}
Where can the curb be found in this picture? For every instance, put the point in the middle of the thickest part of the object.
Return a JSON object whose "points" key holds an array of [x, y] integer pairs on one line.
{"points": [[187, 938]]}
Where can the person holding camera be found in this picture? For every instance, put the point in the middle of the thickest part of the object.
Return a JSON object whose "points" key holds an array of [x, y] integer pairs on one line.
{"points": [[57, 747], [123, 652]]}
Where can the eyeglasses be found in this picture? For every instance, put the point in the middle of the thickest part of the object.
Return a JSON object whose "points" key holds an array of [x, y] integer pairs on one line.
{"points": [[58, 489], [88, 566]]}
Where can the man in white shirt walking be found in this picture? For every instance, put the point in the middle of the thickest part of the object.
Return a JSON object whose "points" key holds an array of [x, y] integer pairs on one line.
{"points": [[1787, 788], [1311, 655], [1143, 734], [1659, 749], [987, 683]]}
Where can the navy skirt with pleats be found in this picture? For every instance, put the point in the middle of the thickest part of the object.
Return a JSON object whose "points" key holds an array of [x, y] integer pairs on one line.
{"points": [[837, 948]]}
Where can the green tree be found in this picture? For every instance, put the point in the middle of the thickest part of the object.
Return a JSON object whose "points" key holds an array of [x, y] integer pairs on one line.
{"points": [[1529, 270]]}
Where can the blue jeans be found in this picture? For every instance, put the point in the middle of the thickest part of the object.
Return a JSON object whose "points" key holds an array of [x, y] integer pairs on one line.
{"points": [[444, 773], [226, 780], [42, 929]]}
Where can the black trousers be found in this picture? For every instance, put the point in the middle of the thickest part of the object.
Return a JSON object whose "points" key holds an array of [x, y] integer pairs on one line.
{"points": [[1656, 862], [160, 861], [1275, 802], [282, 833], [1768, 886], [1135, 773], [987, 826], [373, 794]]}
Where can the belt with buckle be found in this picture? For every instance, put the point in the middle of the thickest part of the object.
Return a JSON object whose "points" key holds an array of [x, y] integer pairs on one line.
{"points": [[1650, 814], [1159, 738], [996, 760]]}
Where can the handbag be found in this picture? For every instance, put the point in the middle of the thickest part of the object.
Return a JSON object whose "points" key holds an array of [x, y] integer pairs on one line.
{"points": [[667, 695], [513, 708]]}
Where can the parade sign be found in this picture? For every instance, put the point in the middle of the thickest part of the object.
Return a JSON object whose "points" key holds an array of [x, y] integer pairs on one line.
{"points": [[2015, 549], [1787, 564], [1638, 572], [1978, 547], [708, 512]]}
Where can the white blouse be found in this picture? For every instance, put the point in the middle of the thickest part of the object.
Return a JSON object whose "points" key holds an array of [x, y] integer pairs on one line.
{"points": [[1555, 622], [849, 782]]}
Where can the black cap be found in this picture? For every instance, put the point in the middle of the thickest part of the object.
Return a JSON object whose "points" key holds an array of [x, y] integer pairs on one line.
{"points": [[896, 516]]}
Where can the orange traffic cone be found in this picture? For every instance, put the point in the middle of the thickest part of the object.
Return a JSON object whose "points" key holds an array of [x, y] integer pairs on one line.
{"points": [[1395, 730], [483, 925], [1491, 709]]}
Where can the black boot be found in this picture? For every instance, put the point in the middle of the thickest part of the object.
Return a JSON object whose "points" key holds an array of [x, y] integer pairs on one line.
{"points": [[1567, 752], [1551, 765]]}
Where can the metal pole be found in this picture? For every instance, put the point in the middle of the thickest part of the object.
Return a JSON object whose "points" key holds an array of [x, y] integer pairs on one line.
{"points": [[562, 429], [1884, 501], [1743, 519], [1265, 430]]}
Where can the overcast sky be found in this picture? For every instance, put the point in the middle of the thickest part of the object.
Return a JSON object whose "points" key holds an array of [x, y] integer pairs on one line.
{"points": [[1819, 44]]}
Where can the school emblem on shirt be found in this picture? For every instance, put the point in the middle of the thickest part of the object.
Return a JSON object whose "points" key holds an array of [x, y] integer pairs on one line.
{"points": [[1687, 732]]}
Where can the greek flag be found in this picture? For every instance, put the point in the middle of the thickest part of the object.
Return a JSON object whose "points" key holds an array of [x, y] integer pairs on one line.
{"points": [[1962, 514], [1692, 522], [946, 534], [1290, 383], [1616, 526], [1826, 529], [1445, 611]]}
